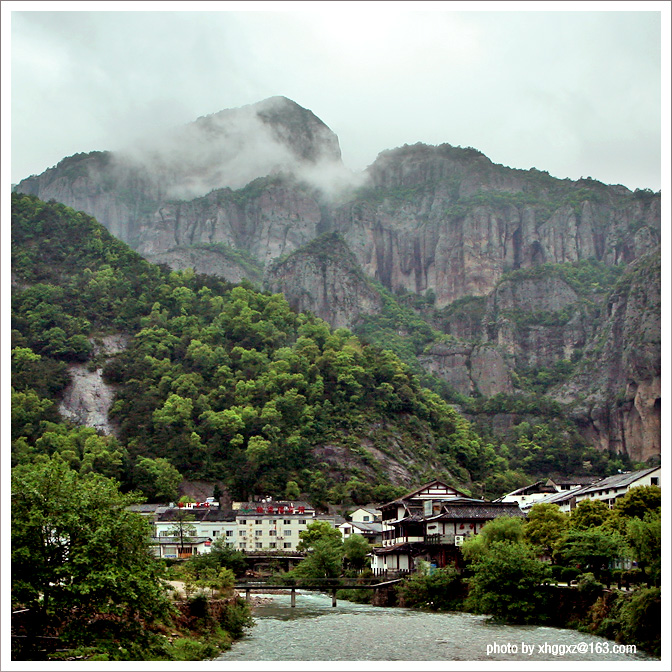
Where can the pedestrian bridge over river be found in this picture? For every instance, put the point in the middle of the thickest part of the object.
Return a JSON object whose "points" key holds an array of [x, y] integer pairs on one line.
{"points": [[319, 585]]}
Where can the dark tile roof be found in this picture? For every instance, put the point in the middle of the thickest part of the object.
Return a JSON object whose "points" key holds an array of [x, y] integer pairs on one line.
{"points": [[479, 510], [619, 480], [372, 528], [539, 486], [144, 508], [392, 549], [410, 495], [572, 480], [211, 514]]}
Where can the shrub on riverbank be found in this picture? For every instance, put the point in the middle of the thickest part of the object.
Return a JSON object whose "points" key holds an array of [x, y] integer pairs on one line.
{"points": [[506, 583], [358, 595], [440, 590], [628, 618]]}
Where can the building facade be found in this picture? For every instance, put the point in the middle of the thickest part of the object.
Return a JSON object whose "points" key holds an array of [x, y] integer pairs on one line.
{"points": [[607, 490], [430, 524]]}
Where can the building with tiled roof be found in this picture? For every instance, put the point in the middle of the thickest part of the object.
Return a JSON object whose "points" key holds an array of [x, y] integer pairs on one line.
{"points": [[430, 524], [607, 490]]}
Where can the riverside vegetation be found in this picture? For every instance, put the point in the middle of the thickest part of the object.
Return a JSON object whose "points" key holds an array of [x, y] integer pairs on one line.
{"points": [[218, 381], [502, 572]]}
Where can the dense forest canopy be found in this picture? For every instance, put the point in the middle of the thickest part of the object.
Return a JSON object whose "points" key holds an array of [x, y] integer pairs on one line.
{"points": [[222, 382]]}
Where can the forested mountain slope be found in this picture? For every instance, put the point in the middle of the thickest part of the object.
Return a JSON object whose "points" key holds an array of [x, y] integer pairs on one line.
{"points": [[489, 282], [220, 381]]}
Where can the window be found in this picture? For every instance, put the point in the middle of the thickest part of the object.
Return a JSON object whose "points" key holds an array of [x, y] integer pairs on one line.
{"points": [[365, 519], [287, 544], [215, 533], [242, 544], [287, 521], [242, 522], [302, 521], [272, 544], [242, 533], [258, 533], [229, 533], [258, 521], [654, 480], [258, 545], [272, 533], [287, 533]]}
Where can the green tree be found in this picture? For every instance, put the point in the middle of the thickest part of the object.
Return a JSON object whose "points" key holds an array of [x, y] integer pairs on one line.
{"points": [[589, 513], [544, 527], [505, 530], [292, 491], [324, 561], [643, 536], [157, 478], [221, 555], [506, 582], [591, 550], [639, 501], [441, 590], [319, 530], [355, 551], [81, 561]]}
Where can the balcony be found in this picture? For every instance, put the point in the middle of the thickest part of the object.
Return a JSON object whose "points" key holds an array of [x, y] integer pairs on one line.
{"points": [[439, 539]]}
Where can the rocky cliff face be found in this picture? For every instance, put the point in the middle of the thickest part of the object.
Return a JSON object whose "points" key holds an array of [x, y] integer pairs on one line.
{"points": [[616, 393], [134, 192], [470, 369], [250, 192], [324, 278], [447, 219], [88, 398]]}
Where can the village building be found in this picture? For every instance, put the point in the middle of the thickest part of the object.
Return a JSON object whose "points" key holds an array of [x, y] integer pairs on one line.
{"points": [[367, 522], [200, 522], [529, 494], [372, 532], [608, 489], [611, 488], [366, 515], [174, 547], [430, 524], [250, 527], [275, 525]]}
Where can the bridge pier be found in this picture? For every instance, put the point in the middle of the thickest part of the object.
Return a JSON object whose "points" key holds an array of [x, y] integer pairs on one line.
{"points": [[293, 598], [333, 597], [247, 594]]}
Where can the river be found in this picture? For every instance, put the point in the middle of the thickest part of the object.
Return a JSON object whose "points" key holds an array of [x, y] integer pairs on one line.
{"points": [[314, 630]]}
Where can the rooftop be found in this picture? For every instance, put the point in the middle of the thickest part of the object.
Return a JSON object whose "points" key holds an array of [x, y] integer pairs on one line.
{"points": [[572, 480], [620, 480], [479, 510], [196, 515]]}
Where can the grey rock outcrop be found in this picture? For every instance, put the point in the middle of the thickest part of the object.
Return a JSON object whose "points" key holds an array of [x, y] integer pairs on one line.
{"points": [[324, 278], [88, 398], [617, 392], [468, 368]]}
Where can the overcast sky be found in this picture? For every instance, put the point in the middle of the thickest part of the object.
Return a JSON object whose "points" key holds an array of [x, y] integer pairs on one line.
{"points": [[575, 93]]}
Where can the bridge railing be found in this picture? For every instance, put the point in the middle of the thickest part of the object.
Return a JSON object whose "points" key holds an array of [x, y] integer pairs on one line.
{"points": [[326, 582]]}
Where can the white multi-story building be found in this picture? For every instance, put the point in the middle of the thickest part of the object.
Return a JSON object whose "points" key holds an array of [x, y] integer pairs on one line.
{"points": [[607, 490], [207, 523], [249, 527], [271, 526]]}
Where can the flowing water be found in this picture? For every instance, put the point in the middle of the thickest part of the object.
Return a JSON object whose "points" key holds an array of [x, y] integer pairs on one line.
{"points": [[314, 630]]}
